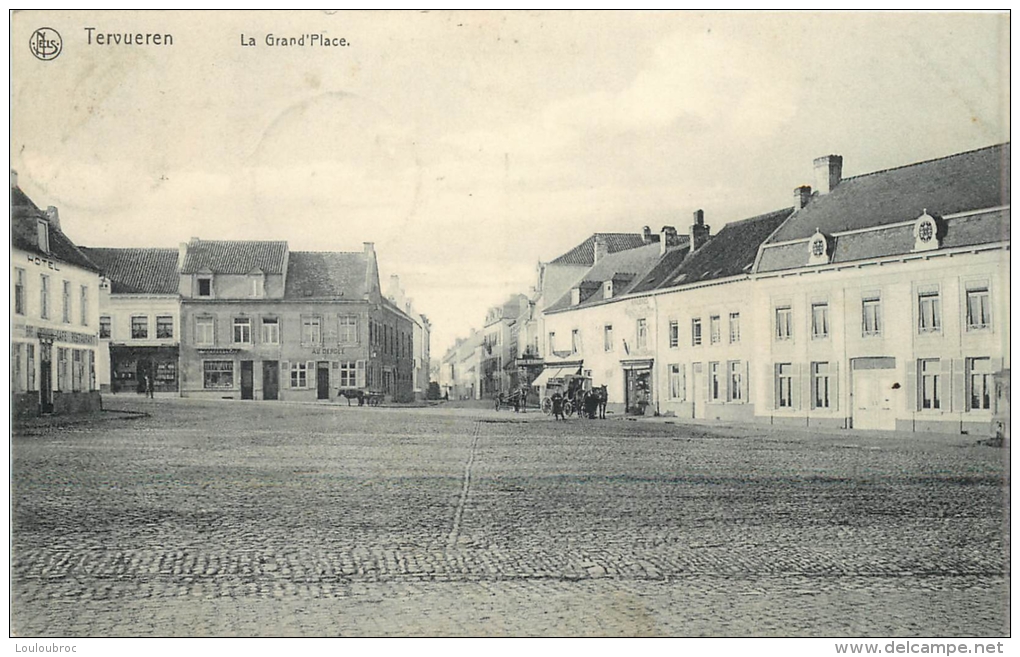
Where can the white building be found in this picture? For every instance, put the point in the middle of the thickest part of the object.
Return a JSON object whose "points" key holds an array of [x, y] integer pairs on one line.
{"points": [[54, 314]]}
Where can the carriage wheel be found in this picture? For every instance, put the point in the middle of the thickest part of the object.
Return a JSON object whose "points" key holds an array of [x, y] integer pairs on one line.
{"points": [[568, 407], [546, 405]]}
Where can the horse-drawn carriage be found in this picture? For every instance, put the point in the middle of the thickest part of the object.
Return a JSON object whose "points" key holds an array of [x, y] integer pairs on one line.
{"points": [[572, 388], [363, 397], [518, 398]]}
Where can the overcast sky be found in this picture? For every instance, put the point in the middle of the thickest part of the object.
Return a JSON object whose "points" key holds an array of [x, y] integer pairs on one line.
{"points": [[470, 146]]}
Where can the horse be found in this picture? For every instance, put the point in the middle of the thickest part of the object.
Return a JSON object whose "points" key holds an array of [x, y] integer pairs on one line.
{"points": [[352, 394], [602, 397]]}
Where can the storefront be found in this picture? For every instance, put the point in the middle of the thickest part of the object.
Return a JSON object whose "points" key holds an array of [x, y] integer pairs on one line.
{"points": [[129, 367], [638, 386]]}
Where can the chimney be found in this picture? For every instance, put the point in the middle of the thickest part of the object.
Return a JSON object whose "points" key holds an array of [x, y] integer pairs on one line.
{"points": [[699, 231], [828, 173], [601, 248], [668, 238], [646, 234], [371, 272], [369, 247], [14, 178], [182, 252], [801, 196], [53, 216]]}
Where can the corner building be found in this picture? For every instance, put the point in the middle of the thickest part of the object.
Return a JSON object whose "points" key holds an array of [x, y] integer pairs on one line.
{"points": [[261, 322]]}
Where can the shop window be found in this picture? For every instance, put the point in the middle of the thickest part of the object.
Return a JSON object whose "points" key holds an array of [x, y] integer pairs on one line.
{"points": [[696, 332], [77, 370], [165, 327], [105, 327], [139, 327], [218, 374], [62, 366]]}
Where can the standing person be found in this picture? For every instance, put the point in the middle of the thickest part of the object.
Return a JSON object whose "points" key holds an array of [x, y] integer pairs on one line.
{"points": [[524, 399], [148, 385], [557, 404]]}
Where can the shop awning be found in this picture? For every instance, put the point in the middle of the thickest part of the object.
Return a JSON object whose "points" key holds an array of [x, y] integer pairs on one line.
{"points": [[555, 372]]}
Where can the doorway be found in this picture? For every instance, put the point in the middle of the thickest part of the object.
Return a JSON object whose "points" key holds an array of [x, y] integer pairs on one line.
{"points": [[874, 390], [270, 379], [45, 378], [322, 380], [247, 379], [639, 390]]}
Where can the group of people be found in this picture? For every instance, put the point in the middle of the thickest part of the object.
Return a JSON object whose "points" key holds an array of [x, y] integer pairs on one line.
{"points": [[591, 404]]}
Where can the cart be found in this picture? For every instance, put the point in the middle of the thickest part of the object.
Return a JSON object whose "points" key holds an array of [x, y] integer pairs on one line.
{"points": [[572, 387]]}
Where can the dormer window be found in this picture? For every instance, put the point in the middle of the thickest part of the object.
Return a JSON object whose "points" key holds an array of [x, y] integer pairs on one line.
{"points": [[257, 286], [608, 290], [575, 296], [205, 286], [818, 253], [43, 229], [926, 233]]}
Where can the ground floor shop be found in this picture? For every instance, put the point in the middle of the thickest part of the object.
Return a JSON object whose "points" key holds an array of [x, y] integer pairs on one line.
{"points": [[131, 367], [53, 371]]}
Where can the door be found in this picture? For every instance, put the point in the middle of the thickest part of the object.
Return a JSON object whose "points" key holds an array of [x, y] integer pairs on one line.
{"points": [[322, 380], [143, 369], [873, 406], [247, 380], [45, 378], [270, 379], [639, 391]]}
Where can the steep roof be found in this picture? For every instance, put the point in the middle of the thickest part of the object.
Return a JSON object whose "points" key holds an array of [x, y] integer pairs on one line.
{"points": [[25, 217], [584, 253], [625, 268], [234, 257], [731, 252], [326, 274], [137, 271], [973, 180]]}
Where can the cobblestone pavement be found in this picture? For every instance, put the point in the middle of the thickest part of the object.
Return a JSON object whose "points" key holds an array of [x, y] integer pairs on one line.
{"points": [[211, 518]]}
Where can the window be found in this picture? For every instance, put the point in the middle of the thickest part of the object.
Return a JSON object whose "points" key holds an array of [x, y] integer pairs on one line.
{"points": [[931, 384], [205, 287], [348, 375], [17, 383], [348, 328], [164, 327], [715, 329], [218, 374], [84, 305], [929, 315], [696, 332], [77, 370], [139, 327], [62, 369], [980, 383], [258, 287], [311, 331], [43, 233], [871, 310], [820, 384], [44, 296], [242, 330], [676, 383], [784, 323], [713, 381], [979, 314], [19, 291], [270, 330], [819, 321], [30, 366], [105, 327], [66, 302], [552, 341], [674, 334], [299, 375], [205, 331], [607, 337], [642, 334], [736, 374], [784, 385], [575, 341], [734, 327]]}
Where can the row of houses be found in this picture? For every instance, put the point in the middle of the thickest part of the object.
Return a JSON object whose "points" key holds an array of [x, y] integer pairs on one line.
{"points": [[215, 319], [876, 301]]}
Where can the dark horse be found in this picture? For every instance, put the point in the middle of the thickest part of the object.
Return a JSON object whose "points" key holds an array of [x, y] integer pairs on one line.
{"points": [[353, 394], [602, 396]]}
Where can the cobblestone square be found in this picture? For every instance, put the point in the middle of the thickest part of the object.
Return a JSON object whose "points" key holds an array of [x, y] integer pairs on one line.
{"points": [[234, 519]]}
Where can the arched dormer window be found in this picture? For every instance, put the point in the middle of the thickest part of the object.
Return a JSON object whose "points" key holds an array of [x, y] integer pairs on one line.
{"points": [[819, 251], [927, 233]]}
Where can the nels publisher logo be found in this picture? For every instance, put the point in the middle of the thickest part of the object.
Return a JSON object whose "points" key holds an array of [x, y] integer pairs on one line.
{"points": [[45, 43]]}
